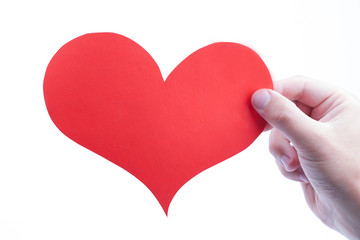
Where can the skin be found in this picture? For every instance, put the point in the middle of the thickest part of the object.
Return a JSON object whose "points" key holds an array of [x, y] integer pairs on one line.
{"points": [[315, 139]]}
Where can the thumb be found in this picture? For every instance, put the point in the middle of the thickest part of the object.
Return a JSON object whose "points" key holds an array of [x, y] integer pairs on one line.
{"points": [[284, 115]]}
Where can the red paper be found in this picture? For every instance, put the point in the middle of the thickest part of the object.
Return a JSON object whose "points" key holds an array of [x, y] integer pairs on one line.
{"points": [[106, 93]]}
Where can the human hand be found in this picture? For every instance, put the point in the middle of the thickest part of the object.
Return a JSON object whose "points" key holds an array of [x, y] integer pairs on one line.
{"points": [[316, 140]]}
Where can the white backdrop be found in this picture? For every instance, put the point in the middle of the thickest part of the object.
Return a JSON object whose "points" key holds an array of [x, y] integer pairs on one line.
{"points": [[51, 188]]}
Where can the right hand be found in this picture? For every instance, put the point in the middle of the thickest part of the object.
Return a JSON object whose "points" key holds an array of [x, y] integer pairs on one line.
{"points": [[316, 140]]}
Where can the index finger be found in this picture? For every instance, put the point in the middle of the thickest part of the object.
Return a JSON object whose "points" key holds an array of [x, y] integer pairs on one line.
{"points": [[305, 90]]}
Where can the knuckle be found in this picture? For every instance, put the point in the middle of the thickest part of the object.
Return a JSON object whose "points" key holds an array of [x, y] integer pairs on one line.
{"points": [[282, 118], [274, 144], [275, 149], [300, 78]]}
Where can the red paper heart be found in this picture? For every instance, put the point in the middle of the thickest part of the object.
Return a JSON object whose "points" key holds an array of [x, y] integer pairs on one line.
{"points": [[106, 93]]}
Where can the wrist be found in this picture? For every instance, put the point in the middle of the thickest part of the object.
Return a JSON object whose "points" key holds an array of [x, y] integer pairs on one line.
{"points": [[347, 211]]}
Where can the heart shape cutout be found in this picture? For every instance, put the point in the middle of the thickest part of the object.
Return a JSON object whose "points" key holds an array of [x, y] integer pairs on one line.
{"points": [[106, 93]]}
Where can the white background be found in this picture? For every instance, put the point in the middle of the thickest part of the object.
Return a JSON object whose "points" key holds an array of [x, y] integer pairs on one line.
{"points": [[51, 188]]}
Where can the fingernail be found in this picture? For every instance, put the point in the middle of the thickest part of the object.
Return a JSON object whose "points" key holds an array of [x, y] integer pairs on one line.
{"points": [[285, 160], [303, 178], [260, 99]]}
